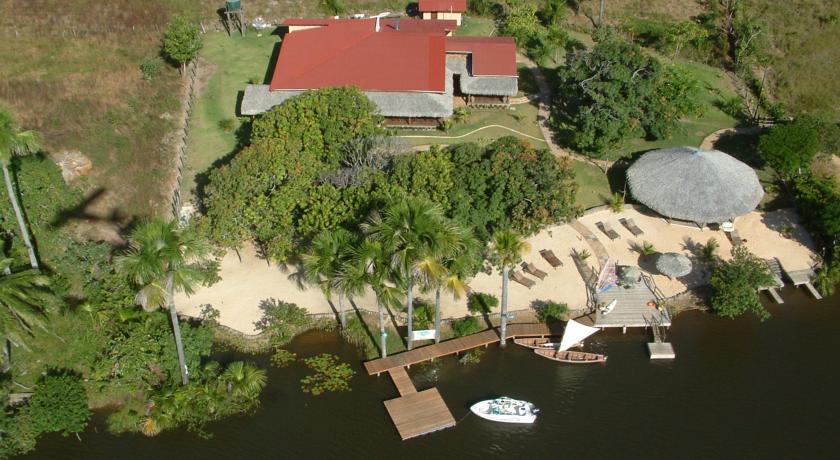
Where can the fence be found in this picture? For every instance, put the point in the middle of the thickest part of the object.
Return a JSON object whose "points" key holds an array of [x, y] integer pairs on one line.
{"points": [[181, 146]]}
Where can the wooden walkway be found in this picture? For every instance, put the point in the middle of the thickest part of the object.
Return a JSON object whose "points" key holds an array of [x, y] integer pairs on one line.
{"points": [[402, 381], [453, 346], [776, 270], [419, 413]]}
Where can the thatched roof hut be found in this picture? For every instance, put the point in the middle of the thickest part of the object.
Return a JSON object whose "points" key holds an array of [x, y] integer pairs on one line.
{"points": [[696, 185], [673, 264]]}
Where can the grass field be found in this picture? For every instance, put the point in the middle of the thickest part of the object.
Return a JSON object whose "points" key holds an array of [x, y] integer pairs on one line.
{"points": [[593, 186], [476, 26], [521, 117], [230, 63]]}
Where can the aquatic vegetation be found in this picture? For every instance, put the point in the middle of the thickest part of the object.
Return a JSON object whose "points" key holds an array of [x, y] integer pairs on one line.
{"points": [[330, 375]]}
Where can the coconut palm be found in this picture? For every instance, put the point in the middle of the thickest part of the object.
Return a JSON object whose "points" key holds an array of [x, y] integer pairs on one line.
{"points": [[243, 380], [508, 248], [14, 142], [22, 296], [163, 259], [369, 265], [416, 235], [322, 264], [451, 276]]}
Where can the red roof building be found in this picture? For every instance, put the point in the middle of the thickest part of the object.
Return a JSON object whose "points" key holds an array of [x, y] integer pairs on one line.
{"points": [[407, 67], [443, 9]]}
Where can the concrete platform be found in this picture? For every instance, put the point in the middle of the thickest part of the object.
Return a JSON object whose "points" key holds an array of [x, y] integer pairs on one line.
{"points": [[661, 350]]}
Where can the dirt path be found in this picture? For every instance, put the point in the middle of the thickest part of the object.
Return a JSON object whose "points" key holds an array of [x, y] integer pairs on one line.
{"points": [[710, 140], [473, 132]]}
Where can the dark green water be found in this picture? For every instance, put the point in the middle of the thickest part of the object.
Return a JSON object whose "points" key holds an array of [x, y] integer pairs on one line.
{"points": [[738, 389]]}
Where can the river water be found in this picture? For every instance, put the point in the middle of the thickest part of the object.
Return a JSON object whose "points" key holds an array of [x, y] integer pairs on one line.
{"points": [[738, 389]]}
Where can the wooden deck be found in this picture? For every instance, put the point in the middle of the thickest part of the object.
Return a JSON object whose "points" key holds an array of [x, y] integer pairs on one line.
{"points": [[402, 381], [419, 413], [631, 310], [453, 346], [803, 278]]}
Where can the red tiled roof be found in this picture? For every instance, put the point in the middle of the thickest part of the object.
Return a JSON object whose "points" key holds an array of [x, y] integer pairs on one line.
{"points": [[454, 6], [354, 54], [491, 56]]}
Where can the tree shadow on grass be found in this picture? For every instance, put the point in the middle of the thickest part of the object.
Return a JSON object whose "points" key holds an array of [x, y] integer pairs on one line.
{"points": [[617, 174]]}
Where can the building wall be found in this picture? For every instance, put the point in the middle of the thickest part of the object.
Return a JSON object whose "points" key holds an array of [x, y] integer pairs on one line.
{"points": [[296, 28], [443, 15]]}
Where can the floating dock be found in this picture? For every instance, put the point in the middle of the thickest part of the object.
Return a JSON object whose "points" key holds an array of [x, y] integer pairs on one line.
{"points": [[661, 350], [419, 413], [803, 278]]}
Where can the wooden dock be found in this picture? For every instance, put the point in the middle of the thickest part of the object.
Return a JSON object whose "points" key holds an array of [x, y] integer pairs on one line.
{"points": [[453, 346], [632, 309], [776, 270], [803, 278], [402, 381], [419, 413]]}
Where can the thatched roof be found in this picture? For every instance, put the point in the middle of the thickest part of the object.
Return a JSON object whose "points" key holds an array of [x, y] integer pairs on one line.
{"points": [[673, 264], [692, 184]]}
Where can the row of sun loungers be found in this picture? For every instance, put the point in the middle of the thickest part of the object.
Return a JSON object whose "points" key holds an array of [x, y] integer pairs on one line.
{"points": [[628, 223], [531, 269]]}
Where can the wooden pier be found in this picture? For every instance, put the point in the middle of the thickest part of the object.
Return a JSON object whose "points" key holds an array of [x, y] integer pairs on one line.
{"points": [[776, 270], [803, 278], [416, 413]]}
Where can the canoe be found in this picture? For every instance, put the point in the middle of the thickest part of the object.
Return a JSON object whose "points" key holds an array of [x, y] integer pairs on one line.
{"points": [[536, 343], [572, 357], [506, 410]]}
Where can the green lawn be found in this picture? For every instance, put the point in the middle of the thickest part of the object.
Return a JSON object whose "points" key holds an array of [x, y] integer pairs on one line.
{"points": [[594, 188], [521, 117], [476, 26], [233, 61]]}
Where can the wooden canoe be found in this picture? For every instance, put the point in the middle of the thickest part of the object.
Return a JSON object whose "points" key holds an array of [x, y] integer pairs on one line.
{"points": [[572, 357], [536, 342]]}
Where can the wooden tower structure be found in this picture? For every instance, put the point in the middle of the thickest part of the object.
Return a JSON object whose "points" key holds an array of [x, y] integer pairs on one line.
{"points": [[234, 16]]}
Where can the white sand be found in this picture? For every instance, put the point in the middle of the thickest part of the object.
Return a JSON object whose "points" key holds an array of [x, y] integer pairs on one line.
{"points": [[245, 284]]}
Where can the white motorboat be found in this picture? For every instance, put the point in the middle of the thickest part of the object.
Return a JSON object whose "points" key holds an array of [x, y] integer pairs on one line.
{"points": [[505, 409]]}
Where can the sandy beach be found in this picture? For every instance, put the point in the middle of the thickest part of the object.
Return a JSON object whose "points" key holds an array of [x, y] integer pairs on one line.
{"points": [[247, 282]]}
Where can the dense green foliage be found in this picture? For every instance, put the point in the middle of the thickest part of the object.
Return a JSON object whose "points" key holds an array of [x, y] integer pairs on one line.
{"points": [[59, 403], [537, 31], [281, 321], [482, 303], [735, 284], [24, 299], [817, 200], [552, 312], [617, 91], [789, 148], [182, 40], [329, 375], [466, 326]]}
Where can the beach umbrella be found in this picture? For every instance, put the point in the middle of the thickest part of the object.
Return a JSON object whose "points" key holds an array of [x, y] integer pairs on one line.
{"points": [[702, 186], [672, 264], [630, 275]]}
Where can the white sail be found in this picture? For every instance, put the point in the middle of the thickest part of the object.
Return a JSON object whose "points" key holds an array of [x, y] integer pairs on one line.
{"points": [[575, 333]]}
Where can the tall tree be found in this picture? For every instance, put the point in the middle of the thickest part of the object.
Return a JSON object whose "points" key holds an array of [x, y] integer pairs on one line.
{"points": [[22, 296], [735, 284], [182, 41], [508, 248], [789, 148], [416, 235], [14, 142], [163, 259], [323, 262], [457, 268]]}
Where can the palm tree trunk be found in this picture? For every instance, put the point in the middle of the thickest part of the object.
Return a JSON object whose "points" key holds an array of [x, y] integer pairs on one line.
{"points": [[503, 328], [176, 330], [342, 316], [409, 304], [24, 232], [383, 341], [437, 315]]}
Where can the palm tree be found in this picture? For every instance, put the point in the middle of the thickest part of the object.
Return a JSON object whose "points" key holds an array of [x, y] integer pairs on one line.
{"points": [[21, 306], [322, 264], [416, 235], [163, 258], [369, 265], [508, 248], [243, 380], [454, 270], [14, 142]]}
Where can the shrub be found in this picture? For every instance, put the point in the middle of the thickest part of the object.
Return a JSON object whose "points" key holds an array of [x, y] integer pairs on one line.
{"points": [[59, 403], [708, 251], [616, 203], [647, 249], [552, 312], [465, 326], [151, 67], [330, 375], [446, 125], [481, 302], [424, 314], [735, 285], [281, 321], [583, 254]]}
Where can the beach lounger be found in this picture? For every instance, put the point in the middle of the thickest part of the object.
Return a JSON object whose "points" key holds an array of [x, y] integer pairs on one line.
{"points": [[608, 230], [532, 270], [549, 257], [629, 224], [735, 238], [516, 276]]}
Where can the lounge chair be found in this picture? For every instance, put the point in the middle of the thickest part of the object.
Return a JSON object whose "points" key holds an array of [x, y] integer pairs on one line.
{"points": [[516, 276], [629, 224], [735, 238], [549, 257], [531, 269], [608, 230]]}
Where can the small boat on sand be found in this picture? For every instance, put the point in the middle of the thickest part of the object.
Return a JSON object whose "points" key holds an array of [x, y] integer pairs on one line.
{"points": [[506, 410], [573, 336], [536, 342], [571, 357]]}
